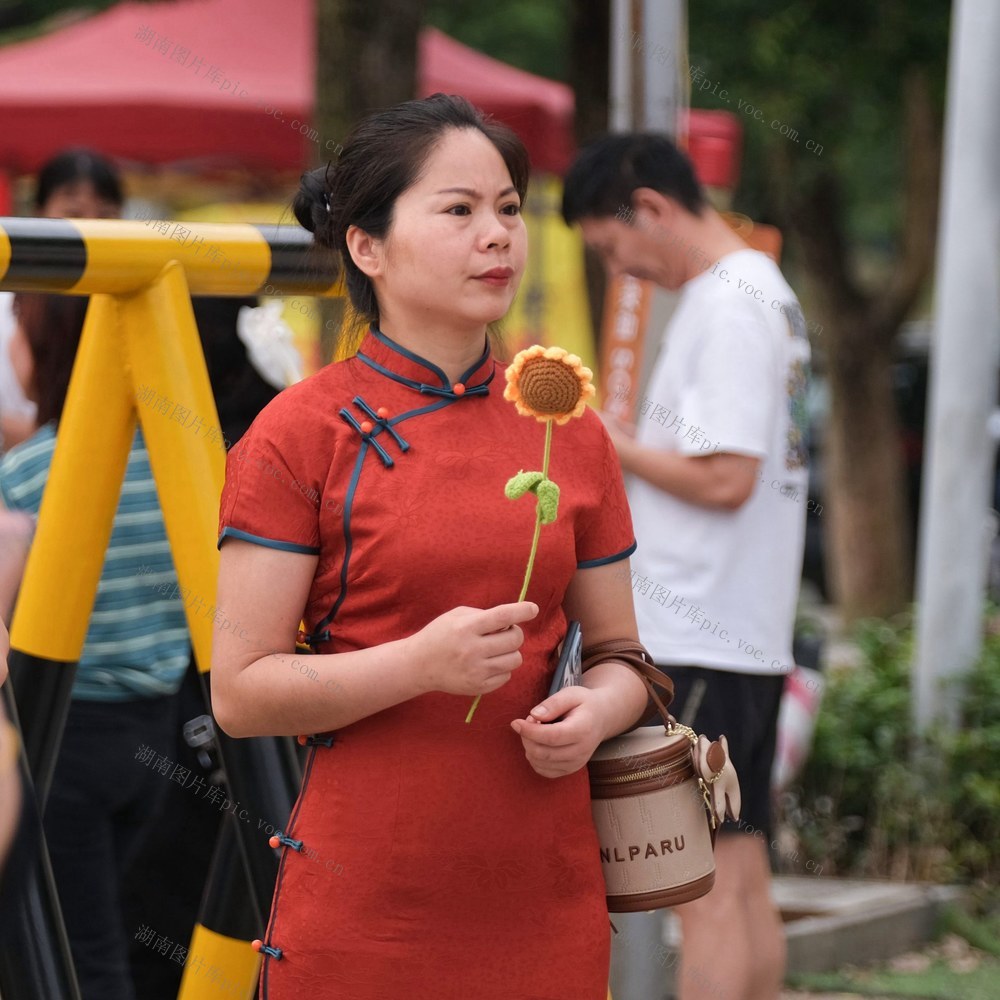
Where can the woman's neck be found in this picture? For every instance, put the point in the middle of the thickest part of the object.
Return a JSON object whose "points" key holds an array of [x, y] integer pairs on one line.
{"points": [[453, 351]]}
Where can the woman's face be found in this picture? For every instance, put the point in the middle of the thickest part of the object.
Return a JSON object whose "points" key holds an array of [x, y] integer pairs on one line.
{"points": [[79, 200], [456, 249]]}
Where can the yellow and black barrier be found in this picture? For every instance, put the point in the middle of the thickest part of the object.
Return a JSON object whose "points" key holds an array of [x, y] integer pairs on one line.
{"points": [[139, 337]]}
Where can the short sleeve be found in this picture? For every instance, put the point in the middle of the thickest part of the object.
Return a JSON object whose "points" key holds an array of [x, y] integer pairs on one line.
{"points": [[731, 398], [24, 471], [269, 493], [604, 531]]}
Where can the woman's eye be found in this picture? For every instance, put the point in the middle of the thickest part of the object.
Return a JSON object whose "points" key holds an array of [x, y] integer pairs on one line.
{"points": [[511, 209], [459, 210]]}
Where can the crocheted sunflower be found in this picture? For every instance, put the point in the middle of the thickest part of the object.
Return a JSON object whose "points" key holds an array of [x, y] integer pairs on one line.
{"points": [[549, 384], [553, 386]]}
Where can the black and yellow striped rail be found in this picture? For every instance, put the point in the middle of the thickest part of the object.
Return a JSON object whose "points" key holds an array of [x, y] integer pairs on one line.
{"points": [[91, 256], [140, 332]]}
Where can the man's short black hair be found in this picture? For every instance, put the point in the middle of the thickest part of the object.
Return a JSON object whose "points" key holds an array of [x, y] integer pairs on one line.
{"points": [[607, 171]]}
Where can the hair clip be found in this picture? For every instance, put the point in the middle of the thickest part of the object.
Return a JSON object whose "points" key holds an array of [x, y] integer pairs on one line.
{"points": [[326, 201]]}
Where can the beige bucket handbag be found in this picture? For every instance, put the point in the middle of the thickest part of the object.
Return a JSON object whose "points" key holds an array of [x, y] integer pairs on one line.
{"points": [[657, 800]]}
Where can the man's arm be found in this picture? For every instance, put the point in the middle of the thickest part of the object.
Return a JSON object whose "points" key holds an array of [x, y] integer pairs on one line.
{"points": [[722, 481]]}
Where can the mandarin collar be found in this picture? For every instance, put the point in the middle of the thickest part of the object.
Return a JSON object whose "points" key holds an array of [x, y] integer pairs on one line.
{"points": [[384, 355]]}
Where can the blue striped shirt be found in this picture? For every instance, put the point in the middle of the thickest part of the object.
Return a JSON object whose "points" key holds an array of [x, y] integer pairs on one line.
{"points": [[137, 643]]}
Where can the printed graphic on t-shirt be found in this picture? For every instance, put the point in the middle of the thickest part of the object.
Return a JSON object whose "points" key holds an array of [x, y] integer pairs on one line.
{"points": [[797, 452]]}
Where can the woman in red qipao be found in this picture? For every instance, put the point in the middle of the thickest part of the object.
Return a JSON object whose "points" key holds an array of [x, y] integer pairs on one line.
{"points": [[426, 858]]}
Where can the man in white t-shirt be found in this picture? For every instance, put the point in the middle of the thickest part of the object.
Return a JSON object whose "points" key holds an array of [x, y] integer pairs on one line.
{"points": [[717, 483]]}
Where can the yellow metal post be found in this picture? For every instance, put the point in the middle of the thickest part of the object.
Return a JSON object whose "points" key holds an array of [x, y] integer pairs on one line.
{"points": [[81, 495], [181, 426], [240, 962], [140, 354]]}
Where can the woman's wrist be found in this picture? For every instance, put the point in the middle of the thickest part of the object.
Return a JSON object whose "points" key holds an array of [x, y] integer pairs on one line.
{"points": [[623, 694], [416, 671]]}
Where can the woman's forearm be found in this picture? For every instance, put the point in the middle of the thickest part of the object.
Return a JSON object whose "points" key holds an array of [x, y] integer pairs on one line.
{"points": [[284, 694]]}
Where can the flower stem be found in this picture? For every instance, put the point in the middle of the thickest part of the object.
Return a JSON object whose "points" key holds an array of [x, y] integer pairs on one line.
{"points": [[472, 710], [534, 541], [538, 512]]}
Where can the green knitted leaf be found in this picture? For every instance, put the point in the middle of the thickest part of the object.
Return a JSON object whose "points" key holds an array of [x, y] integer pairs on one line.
{"points": [[548, 501], [522, 483]]}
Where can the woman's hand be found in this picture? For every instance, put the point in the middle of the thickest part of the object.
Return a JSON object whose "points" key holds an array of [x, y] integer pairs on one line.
{"points": [[470, 651], [559, 748], [621, 432]]}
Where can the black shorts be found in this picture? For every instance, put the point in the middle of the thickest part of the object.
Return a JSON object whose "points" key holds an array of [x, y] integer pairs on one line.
{"points": [[745, 708]]}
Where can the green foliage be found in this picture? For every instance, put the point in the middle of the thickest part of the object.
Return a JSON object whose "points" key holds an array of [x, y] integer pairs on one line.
{"points": [[832, 71], [874, 800], [24, 19], [939, 982], [530, 34]]}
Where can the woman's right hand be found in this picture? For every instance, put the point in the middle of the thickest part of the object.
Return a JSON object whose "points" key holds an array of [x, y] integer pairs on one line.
{"points": [[469, 650]]}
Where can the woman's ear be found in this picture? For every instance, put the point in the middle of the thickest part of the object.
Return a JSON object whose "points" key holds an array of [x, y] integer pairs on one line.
{"points": [[366, 252]]}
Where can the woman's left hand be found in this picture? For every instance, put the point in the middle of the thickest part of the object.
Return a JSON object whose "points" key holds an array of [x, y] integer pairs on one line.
{"points": [[562, 747]]}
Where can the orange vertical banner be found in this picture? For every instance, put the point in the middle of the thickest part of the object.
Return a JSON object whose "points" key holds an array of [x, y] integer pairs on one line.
{"points": [[623, 340]]}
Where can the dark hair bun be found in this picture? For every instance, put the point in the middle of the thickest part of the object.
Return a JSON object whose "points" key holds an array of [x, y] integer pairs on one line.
{"points": [[312, 205]]}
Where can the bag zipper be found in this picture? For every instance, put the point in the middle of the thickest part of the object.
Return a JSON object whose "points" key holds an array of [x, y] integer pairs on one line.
{"points": [[649, 772]]}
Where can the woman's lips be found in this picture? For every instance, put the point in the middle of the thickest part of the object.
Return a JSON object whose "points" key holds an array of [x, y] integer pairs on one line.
{"points": [[497, 276]]}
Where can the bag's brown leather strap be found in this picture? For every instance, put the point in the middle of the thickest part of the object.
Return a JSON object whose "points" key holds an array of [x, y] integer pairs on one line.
{"points": [[635, 655]]}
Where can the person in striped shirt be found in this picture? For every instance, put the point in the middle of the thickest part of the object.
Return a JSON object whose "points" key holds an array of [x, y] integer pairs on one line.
{"points": [[137, 648]]}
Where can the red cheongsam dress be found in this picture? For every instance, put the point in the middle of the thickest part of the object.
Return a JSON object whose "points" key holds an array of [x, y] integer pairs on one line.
{"points": [[434, 863]]}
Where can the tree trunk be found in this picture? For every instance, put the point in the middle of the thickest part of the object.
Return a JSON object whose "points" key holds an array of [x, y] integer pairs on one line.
{"points": [[366, 58], [866, 518], [588, 76]]}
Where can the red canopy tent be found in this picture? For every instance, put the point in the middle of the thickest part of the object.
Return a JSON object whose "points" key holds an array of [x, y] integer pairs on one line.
{"points": [[226, 81]]}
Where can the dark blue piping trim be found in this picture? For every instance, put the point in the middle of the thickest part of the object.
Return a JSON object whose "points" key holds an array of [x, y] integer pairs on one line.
{"points": [[591, 563], [422, 410], [320, 741], [381, 422], [286, 841], [399, 349], [348, 540], [477, 390], [367, 438], [348, 503], [281, 864], [478, 364], [270, 543], [412, 383]]}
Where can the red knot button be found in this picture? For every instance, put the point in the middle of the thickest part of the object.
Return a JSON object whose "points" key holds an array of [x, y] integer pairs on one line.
{"points": [[256, 944], [302, 740], [382, 412], [458, 389], [274, 841], [367, 426]]}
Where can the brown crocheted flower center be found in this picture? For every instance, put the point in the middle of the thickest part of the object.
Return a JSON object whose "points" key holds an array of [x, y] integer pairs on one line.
{"points": [[549, 386]]}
